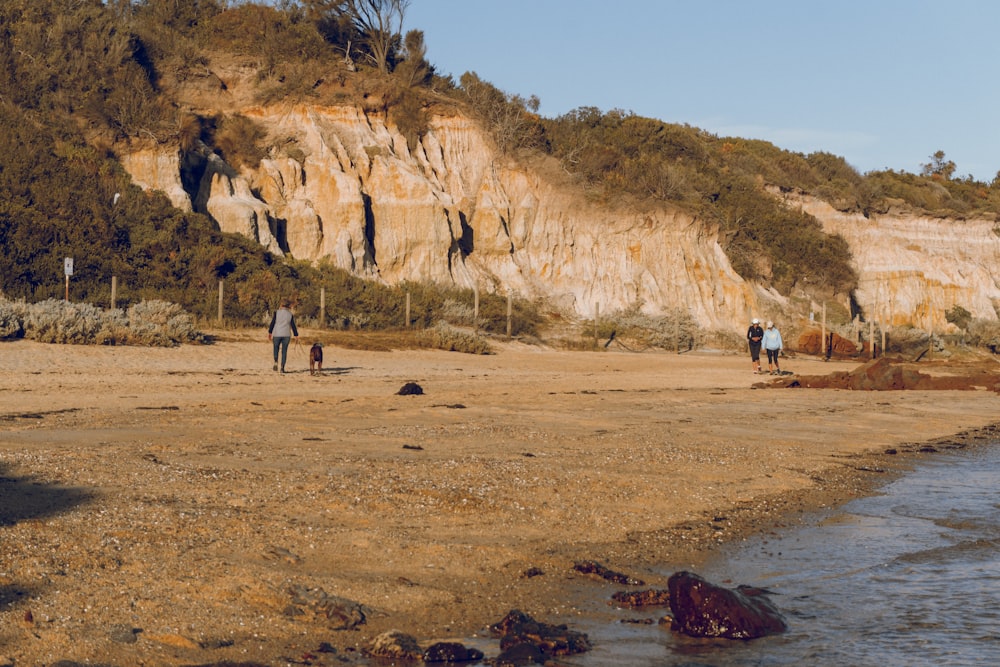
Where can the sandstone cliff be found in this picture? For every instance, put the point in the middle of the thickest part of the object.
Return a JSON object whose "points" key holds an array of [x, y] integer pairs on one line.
{"points": [[913, 268], [454, 212]]}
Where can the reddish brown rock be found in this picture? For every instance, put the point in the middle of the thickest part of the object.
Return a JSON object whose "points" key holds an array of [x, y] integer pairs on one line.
{"points": [[600, 571], [837, 347], [518, 628], [702, 609], [647, 598], [890, 373]]}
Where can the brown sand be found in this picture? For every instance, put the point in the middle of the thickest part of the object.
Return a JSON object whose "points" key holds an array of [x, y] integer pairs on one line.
{"points": [[177, 496]]}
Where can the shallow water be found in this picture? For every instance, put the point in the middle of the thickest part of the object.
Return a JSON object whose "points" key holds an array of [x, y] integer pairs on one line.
{"points": [[909, 577]]}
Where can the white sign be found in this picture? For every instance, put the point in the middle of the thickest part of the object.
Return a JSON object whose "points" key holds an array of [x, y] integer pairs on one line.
{"points": [[68, 266]]}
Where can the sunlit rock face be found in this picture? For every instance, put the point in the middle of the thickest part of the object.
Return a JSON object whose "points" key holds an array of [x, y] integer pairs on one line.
{"points": [[452, 211], [158, 169], [913, 269]]}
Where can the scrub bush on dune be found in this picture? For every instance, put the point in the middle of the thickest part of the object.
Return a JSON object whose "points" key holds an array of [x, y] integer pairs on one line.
{"points": [[443, 336], [161, 323], [154, 323], [53, 321], [11, 319]]}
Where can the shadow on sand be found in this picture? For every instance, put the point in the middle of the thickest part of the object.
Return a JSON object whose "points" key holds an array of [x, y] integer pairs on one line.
{"points": [[25, 499], [343, 370]]}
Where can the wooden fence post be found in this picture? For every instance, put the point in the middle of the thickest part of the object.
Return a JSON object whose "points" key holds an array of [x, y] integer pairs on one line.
{"points": [[826, 349], [322, 307], [597, 321], [114, 291], [220, 301], [510, 310]]}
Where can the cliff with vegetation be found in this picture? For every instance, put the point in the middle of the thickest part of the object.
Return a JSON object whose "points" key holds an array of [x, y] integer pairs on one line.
{"points": [[287, 149], [454, 211]]}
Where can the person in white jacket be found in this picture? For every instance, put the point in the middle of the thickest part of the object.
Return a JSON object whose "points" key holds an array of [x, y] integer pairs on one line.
{"points": [[772, 345]]}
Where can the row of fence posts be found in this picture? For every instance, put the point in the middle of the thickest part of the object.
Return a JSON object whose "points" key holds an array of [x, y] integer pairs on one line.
{"points": [[874, 351], [408, 321], [510, 311]]}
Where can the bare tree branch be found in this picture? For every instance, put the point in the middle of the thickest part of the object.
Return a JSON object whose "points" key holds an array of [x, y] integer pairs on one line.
{"points": [[380, 23]]}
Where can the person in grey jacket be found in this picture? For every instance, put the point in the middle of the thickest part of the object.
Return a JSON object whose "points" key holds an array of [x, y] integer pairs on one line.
{"points": [[772, 345], [281, 331]]}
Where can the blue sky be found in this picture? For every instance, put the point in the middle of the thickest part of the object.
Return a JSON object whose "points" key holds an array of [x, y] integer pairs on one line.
{"points": [[883, 83]]}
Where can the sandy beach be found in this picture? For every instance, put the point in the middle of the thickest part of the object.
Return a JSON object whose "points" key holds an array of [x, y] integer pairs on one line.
{"points": [[189, 505]]}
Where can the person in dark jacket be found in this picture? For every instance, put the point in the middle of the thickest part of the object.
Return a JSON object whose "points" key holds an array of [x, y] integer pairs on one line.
{"points": [[754, 336], [281, 331]]}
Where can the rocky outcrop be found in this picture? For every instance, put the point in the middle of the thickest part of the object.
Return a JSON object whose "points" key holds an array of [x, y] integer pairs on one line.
{"points": [[829, 344], [703, 609], [227, 198], [343, 185], [518, 630], [395, 645], [158, 170]]}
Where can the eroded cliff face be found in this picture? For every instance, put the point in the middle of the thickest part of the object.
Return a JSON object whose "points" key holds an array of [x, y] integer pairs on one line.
{"points": [[913, 269], [454, 212]]}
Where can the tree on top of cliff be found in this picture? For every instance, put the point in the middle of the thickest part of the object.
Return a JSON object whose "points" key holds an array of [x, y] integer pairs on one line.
{"points": [[938, 167], [373, 27], [511, 120]]}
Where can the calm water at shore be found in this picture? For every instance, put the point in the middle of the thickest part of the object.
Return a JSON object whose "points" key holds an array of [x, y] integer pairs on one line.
{"points": [[908, 577]]}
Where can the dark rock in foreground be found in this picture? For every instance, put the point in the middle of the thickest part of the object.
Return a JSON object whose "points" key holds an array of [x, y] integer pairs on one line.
{"points": [[596, 569], [451, 652], [702, 609], [517, 628], [518, 656], [648, 598]]}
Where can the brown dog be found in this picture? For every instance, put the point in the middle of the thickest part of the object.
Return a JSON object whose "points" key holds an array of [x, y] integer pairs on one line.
{"points": [[316, 359]]}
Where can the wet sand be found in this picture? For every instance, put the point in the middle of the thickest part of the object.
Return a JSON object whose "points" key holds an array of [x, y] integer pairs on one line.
{"points": [[189, 505]]}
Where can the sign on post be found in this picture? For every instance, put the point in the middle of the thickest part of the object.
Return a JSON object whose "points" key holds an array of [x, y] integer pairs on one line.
{"points": [[68, 270]]}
